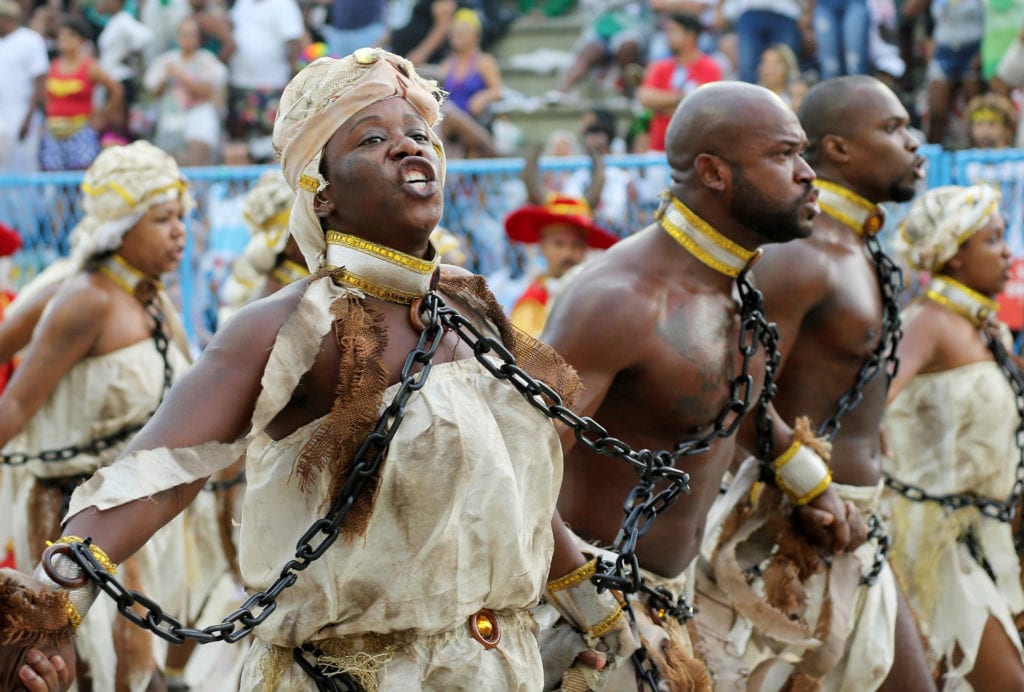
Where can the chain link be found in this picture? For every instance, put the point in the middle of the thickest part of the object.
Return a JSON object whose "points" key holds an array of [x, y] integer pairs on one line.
{"points": [[1000, 510], [101, 444], [644, 503], [890, 283]]}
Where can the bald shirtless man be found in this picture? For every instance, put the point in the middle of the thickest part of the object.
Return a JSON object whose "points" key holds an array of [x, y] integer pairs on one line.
{"points": [[833, 295], [652, 325]]}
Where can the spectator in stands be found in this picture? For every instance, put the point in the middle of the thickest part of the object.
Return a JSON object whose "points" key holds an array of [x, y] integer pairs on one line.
{"points": [[667, 82], [955, 58], [419, 28], [163, 17], [841, 28], [268, 37], [991, 121], [354, 24], [1004, 20], [190, 83], [23, 64], [617, 30], [609, 200], [471, 77], [563, 228], [779, 72], [215, 28], [72, 139], [121, 45], [764, 23]]}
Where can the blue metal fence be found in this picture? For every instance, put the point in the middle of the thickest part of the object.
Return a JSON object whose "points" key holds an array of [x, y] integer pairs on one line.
{"points": [[478, 195]]}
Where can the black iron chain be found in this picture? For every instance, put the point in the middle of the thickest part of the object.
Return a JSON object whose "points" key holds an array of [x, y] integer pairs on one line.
{"points": [[101, 444], [1000, 510], [876, 532], [500, 362], [890, 283]]}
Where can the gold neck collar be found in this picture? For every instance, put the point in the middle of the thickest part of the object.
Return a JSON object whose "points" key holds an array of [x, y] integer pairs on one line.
{"points": [[849, 208], [380, 271], [702, 241], [288, 272], [129, 279], [978, 308]]}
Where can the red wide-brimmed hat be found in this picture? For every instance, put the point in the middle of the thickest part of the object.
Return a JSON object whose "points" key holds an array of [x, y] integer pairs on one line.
{"points": [[526, 223], [10, 241]]}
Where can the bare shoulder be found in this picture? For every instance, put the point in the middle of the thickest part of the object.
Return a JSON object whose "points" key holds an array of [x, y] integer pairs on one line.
{"points": [[82, 299], [797, 273], [610, 297]]}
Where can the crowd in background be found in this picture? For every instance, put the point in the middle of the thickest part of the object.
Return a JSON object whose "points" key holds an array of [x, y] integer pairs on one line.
{"points": [[201, 78]]}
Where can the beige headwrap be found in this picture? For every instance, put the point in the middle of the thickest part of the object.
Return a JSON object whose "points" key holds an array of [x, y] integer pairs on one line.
{"points": [[318, 101], [119, 187], [266, 210], [941, 220]]}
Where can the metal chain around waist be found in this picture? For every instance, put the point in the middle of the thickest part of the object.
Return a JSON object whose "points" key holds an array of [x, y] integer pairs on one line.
{"points": [[876, 531], [499, 361], [890, 283], [1000, 510], [100, 444]]}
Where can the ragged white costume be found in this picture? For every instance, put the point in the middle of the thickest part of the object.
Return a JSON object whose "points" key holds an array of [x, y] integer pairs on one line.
{"points": [[460, 518], [99, 396], [953, 433], [793, 617]]}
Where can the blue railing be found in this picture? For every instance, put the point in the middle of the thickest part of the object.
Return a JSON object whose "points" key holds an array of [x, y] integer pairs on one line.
{"points": [[478, 195]]}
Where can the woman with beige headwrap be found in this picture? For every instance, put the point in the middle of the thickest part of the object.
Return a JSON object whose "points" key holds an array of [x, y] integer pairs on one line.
{"points": [[271, 260], [952, 428], [107, 348], [439, 559]]}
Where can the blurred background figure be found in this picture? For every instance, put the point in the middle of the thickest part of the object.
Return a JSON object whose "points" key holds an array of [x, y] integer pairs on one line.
{"points": [[268, 35], [355, 24], [271, 259], [563, 230], [780, 72], [667, 82], [991, 121], [841, 28], [23, 64], [617, 32], [73, 125], [189, 83], [471, 77]]}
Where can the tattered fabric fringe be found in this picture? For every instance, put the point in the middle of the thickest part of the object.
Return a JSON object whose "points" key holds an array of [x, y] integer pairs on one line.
{"points": [[32, 618]]}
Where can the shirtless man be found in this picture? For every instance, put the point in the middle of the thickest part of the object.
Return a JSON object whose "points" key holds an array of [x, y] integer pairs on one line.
{"points": [[833, 296], [652, 326]]}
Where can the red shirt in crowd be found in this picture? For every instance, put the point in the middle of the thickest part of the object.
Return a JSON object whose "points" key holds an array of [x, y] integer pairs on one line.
{"points": [[668, 74]]}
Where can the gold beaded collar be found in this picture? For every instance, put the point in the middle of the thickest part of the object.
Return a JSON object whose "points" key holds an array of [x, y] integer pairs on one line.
{"points": [[132, 281], [380, 271], [978, 308], [702, 241], [849, 208], [287, 272]]}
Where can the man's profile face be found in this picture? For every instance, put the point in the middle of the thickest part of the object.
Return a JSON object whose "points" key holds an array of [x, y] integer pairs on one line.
{"points": [[882, 150], [563, 246], [772, 185]]}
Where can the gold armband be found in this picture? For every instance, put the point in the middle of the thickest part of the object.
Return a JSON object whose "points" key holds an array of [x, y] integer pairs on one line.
{"points": [[577, 599], [801, 473], [81, 597]]}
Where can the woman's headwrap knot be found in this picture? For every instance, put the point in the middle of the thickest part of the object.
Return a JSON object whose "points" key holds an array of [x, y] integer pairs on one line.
{"points": [[941, 220], [318, 101], [119, 187]]}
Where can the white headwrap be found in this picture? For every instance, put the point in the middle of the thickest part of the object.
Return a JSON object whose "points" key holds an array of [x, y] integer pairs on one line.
{"points": [[119, 187], [941, 220], [266, 210], [318, 101]]}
